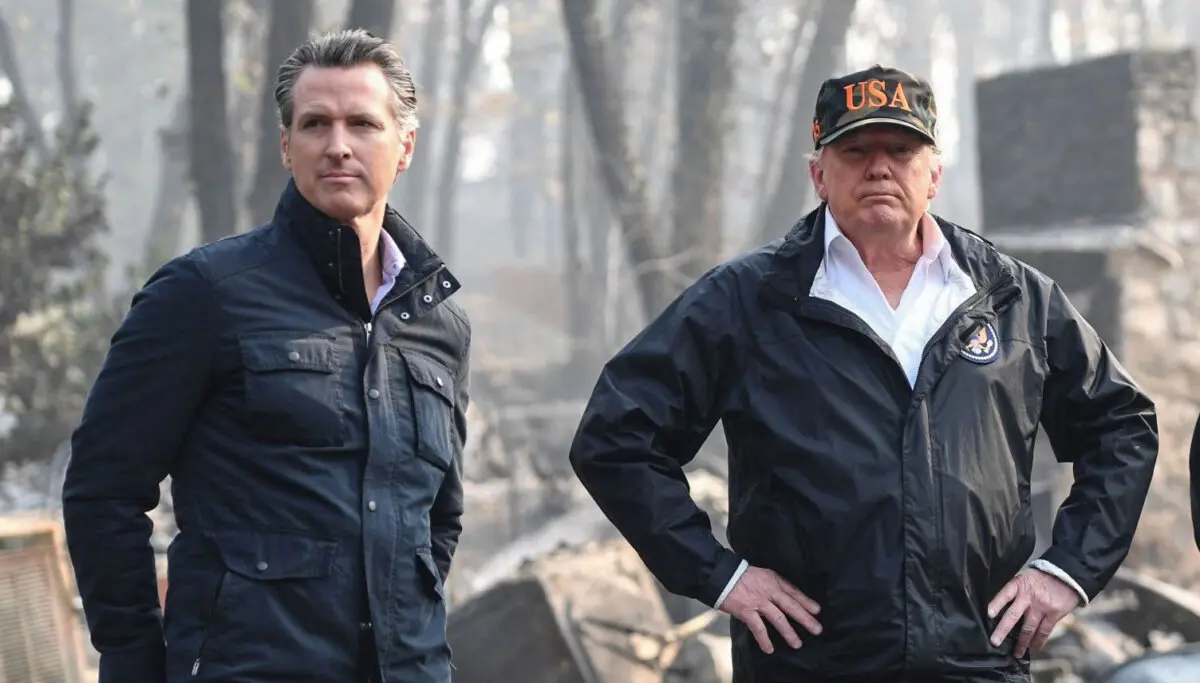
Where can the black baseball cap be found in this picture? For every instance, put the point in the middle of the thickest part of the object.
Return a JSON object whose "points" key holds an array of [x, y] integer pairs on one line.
{"points": [[876, 95]]}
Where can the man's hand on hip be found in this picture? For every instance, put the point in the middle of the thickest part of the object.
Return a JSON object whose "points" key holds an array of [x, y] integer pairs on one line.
{"points": [[1041, 599], [760, 594]]}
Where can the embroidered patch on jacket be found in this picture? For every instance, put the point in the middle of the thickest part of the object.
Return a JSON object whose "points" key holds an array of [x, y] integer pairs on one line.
{"points": [[983, 347]]}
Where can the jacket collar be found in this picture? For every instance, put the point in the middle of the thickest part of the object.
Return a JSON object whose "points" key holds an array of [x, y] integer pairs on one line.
{"points": [[797, 257], [335, 253]]}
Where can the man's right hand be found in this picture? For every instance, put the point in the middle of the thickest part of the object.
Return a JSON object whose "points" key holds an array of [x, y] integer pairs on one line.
{"points": [[760, 594]]}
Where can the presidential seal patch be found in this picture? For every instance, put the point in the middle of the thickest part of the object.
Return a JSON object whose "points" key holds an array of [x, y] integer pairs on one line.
{"points": [[983, 347]]}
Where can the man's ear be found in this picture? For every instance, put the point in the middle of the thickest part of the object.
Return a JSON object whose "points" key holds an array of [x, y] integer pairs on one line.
{"points": [[935, 177], [818, 179], [408, 143], [284, 144]]}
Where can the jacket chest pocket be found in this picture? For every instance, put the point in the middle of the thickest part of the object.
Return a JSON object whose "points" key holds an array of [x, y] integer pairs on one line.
{"points": [[292, 388], [433, 412]]}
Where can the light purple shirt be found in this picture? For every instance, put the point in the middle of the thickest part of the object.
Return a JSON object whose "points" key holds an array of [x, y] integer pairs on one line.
{"points": [[392, 263]]}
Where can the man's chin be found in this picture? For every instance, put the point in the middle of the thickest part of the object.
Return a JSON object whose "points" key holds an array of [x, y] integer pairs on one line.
{"points": [[340, 208]]}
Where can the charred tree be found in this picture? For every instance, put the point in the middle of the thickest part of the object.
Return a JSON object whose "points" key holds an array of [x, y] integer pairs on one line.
{"points": [[414, 184], [788, 202], [376, 16], [211, 152], [604, 111], [10, 65], [470, 40], [707, 30], [290, 22]]}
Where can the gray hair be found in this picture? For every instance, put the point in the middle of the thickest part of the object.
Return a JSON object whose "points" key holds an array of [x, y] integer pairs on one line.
{"points": [[346, 49]]}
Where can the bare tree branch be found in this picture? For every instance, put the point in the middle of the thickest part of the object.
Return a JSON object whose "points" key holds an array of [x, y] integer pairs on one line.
{"points": [[20, 95], [66, 59], [376, 16], [290, 21], [470, 42], [211, 152], [604, 110]]}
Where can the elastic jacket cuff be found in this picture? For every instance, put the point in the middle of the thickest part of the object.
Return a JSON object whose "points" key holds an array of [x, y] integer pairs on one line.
{"points": [[1073, 568], [720, 577]]}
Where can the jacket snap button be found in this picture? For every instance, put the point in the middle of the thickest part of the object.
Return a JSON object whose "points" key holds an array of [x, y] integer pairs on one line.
{"points": [[404, 315], [261, 566], [446, 284], [427, 298], [294, 356]]}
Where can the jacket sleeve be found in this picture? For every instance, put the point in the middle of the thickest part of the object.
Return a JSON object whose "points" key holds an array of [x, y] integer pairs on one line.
{"points": [[652, 408], [1194, 480], [133, 423], [1099, 420], [445, 518]]}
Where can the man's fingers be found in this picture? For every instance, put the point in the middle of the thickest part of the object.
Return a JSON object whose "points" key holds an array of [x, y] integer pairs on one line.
{"points": [[796, 594], [1005, 596], [1029, 627], [798, 612], [1015, 611], [1042, 634], [754, 622], [780, 621]]}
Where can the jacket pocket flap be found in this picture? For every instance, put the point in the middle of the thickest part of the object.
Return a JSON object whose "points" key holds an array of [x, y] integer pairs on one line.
{"points": [[274, 557], [431, 375], [270, 351], [428, 567]]}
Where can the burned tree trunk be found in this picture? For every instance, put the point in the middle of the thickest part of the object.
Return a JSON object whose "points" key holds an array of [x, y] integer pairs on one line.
{"points": [[604, 111], [211, 151], [290, 23], [414, 184], [376, 16], [469, 43], [707, 29], [791, 189]]}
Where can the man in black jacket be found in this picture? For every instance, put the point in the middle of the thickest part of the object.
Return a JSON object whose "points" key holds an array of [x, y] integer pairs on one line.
{"points": [[880, 374], [305, 386]]}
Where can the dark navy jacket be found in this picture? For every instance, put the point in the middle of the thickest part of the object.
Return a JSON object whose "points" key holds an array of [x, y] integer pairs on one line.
{"points": [[315, 456], [902, 510]]}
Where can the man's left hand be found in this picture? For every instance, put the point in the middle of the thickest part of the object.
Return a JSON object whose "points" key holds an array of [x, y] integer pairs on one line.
{"points": [[1043, 600]]}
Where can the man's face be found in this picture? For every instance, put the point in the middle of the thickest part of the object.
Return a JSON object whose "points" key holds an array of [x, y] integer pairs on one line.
{"points": [[880, 176], [345, 148]]}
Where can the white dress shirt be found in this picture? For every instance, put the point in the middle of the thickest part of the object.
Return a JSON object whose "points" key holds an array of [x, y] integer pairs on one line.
{"points": [[938, 286]]}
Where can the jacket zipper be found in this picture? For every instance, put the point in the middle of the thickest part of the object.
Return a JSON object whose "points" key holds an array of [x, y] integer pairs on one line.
{"points": [[208, 623], [935, 457]]}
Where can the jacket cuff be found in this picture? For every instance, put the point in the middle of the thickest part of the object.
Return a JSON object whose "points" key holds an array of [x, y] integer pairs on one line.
{"points": [[146, 664], [1072, 567], [719, 579], [1054, 570]]}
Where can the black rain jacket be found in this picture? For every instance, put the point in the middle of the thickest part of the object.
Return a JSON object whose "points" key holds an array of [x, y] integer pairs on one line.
{"points": [[901, 510], [315, 456]]}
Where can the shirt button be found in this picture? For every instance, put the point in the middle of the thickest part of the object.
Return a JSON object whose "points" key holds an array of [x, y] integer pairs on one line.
{"points": [[294, 356], [373, 394], [439, 381], [261, 566], [371, 505]]}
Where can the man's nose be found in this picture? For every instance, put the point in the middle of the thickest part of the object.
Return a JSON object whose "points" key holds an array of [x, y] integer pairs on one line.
{"points": [[879, 165], [339, 143]]}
